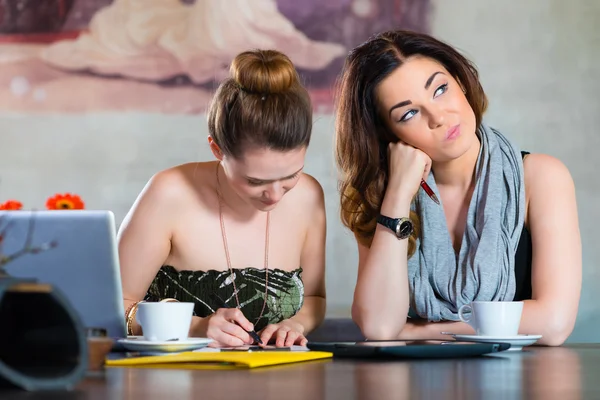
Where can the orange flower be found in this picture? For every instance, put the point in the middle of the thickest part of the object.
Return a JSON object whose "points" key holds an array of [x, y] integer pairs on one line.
{"points": [[65, 201], [11, 205]]}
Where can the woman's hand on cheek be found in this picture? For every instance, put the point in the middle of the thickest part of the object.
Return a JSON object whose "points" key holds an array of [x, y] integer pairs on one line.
{"points": [[407, 166]]}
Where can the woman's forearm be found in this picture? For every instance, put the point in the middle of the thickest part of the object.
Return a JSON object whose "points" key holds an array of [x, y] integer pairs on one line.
{"points": [[381, 300], [541, 318], [433, 330], [537, 319], [309, 317]]}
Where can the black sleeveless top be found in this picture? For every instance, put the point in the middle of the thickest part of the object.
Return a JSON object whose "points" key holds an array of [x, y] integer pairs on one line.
{"points": [[523, 263]]}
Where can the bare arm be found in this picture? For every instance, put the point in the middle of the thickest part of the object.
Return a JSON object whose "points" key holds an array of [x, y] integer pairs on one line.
{"points": [[381, 295], [144, 239], [556, 260], [312, 260], [556, 250]]}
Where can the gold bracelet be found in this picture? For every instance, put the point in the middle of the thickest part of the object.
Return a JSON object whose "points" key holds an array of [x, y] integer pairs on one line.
{"points": [[132, 310], [129, 309], [169, 300]]}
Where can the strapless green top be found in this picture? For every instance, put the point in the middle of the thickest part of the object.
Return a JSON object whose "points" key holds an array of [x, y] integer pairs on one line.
{"points": [[285, 293]]}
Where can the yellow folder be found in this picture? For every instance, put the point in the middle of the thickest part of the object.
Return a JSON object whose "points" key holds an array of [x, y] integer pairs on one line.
{"points": [[219, 360]]}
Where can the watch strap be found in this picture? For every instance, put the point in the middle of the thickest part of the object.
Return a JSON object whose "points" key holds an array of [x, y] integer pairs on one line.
{"points": [[390, 223], [401, 227]]}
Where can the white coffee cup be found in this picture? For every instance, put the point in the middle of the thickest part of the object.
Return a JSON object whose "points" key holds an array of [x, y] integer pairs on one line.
{"points": [[164, 321], [493, 318]]}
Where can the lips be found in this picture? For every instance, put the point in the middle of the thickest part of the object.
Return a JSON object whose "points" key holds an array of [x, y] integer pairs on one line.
{"points": [[453, 132]]}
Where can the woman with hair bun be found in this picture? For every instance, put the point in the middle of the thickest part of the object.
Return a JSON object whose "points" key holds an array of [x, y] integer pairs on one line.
{"points": [[233, 230]]}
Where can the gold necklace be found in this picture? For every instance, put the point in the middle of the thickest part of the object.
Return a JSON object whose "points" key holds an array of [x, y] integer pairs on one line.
{"points": [[220, 198]]}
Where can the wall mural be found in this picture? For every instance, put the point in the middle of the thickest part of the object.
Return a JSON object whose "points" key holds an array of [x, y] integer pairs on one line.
{"points": [[167, 56]]}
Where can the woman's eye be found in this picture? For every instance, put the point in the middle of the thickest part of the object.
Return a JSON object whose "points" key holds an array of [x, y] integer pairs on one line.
{"points": [[261, 183], [408, 115], [411, 113], [442, 89]]}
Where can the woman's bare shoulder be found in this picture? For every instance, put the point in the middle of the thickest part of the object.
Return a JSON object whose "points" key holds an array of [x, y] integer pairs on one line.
{"points": [[178, 183], [548, 184], [310, 192], [545, 173]]}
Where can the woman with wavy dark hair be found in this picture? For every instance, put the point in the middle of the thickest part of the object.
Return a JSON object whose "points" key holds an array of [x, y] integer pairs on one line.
{"points": [[410, 108]]}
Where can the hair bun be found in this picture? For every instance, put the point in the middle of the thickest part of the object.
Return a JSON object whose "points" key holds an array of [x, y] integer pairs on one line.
{"points": [[263, 72]]}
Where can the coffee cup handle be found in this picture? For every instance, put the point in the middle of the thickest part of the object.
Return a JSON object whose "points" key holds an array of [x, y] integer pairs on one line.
{"points": [[461, 313]]}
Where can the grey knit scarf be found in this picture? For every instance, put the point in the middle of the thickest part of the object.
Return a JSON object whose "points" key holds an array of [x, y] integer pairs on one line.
{"points": [[441, 281]]}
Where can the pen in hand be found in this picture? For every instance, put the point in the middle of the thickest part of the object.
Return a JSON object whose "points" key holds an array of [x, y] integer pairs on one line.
{"points": [[222, 304]]}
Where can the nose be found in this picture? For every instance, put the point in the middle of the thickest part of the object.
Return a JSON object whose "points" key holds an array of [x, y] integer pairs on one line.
{"points": [[274, 192], [436, 116]]}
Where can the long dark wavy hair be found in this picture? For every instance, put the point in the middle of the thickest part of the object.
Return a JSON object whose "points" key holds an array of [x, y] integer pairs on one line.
{"points": [[361, 134]]}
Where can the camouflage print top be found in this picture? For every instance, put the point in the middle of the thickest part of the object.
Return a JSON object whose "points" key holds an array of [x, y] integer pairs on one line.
{"points": [[285, 291]]}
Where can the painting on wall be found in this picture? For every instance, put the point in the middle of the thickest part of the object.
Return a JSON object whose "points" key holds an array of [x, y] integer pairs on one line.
{"points": [[167, 56]]}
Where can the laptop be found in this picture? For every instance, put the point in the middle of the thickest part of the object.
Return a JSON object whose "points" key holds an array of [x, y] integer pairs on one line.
{"points": [[408, 349], [84, 265]]}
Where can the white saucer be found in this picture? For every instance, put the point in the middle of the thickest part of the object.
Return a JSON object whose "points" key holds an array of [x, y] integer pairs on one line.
{"points": [[138, 343], [516, 342]]}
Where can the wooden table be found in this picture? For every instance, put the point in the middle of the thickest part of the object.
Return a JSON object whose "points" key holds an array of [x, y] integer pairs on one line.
{"points": [[570, 372]]}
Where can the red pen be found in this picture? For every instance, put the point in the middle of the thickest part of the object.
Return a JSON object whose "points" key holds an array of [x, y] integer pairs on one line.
{"points": [[429, 192]]}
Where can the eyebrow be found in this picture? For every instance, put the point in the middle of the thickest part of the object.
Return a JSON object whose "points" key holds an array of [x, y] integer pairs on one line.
{"points": [[273, 180], [428, 83], [407, 102], [401, 104]]}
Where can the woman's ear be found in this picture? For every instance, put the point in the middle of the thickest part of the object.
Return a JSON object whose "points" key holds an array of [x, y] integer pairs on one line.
{"points": [[214, 147]]}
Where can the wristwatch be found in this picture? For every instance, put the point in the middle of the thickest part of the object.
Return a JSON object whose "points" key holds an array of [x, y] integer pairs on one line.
{"points": [[402, 227]]}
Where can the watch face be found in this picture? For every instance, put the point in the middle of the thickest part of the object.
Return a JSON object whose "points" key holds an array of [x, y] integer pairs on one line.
{"points": [[405, 229]]}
